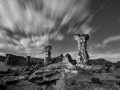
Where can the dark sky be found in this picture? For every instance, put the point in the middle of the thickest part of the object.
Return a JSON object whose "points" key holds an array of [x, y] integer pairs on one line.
{"points": [[106, 22], [27, 27]]}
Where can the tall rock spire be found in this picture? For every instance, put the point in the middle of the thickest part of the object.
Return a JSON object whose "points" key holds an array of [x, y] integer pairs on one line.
{"points": [[82, 47], [47, 59]]}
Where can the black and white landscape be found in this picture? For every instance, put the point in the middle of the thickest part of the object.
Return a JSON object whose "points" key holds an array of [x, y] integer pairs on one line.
{"points": [[59, 44]]}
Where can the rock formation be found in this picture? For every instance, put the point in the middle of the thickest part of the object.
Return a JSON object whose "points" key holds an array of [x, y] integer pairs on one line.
{"points": [[73, 62], [7, 59], [61, 73], [15, 60], [48, 59], [28, 59], [82, 46]]}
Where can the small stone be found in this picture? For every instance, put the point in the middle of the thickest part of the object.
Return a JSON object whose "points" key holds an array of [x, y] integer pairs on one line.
{"points": [[96, 80]]}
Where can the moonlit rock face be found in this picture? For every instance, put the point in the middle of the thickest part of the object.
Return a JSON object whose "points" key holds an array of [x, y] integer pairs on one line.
{"points": [[86, 36], [48, 48], [83, 56], [67, 63], [77, 38]]}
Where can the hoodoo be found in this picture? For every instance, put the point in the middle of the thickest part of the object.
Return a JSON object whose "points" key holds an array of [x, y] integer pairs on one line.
{"points": [[48, 59], [82, 56]]}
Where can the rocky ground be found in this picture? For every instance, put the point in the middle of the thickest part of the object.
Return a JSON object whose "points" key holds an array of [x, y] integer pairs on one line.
{"points": [[59, 76]]}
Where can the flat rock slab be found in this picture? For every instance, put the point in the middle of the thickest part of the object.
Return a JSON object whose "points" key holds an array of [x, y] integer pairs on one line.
{"points": [[10, 78], [45, 77], [107, 76], [24, 85], [4, 68]]}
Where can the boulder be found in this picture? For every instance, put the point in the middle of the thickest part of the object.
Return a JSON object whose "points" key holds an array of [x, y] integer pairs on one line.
{"points": [[2, 85], [96, 80]]}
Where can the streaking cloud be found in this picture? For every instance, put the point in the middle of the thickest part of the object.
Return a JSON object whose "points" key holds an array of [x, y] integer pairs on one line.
{"points": [[30, 24], [109, 40]]}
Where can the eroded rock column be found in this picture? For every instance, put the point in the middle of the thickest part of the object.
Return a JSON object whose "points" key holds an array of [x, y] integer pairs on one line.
{"points": [[7, 59], [28, 59], [82, 47], [47, 59]]}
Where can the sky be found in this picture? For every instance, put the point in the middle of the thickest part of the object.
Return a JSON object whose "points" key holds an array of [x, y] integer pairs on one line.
{"points": [[27, 26]]}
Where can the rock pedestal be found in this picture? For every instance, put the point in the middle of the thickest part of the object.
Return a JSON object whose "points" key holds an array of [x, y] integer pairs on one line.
{"points": [[82, 56], [7, 61], [48, 59], [28, 59]]}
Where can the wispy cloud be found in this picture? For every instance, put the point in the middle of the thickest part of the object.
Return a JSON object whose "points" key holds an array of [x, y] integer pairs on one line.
{"points": [[40, 16], [27, 45], [27, 26], [33, 45], [85, 29], [57, 36], [2, 54], [108, 40]]}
